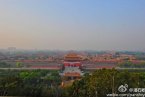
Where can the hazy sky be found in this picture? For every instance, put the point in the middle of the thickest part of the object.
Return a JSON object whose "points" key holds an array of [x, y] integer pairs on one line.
{"points": [[73, 24]]}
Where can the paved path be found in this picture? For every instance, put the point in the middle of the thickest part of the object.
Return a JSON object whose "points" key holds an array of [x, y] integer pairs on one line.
{"points": [[59, 69], [29, 68]]}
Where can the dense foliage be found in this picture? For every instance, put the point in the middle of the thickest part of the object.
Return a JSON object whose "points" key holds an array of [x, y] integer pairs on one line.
{"points": [[44, 83], [128, 64], [4, 65], [105, 81], [36, 83]]}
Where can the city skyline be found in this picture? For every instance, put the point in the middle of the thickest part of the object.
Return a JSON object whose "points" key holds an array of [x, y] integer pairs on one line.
{"points": [[73, 25]]}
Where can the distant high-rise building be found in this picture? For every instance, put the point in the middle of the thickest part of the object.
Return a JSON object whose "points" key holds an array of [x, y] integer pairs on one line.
{"points": [[11, 48]]}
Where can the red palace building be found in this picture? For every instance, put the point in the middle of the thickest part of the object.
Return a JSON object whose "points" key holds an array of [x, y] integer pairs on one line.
{"points": [[72, 65]]}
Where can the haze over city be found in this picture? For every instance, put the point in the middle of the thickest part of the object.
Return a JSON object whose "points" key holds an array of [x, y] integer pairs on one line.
{"points": [[73, 24]]}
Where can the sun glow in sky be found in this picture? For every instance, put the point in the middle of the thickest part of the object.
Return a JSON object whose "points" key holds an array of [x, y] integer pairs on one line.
{"points": [[73, 24]]}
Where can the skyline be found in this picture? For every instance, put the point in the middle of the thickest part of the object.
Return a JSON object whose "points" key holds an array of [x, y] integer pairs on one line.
{"points": [[73, 25]]}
